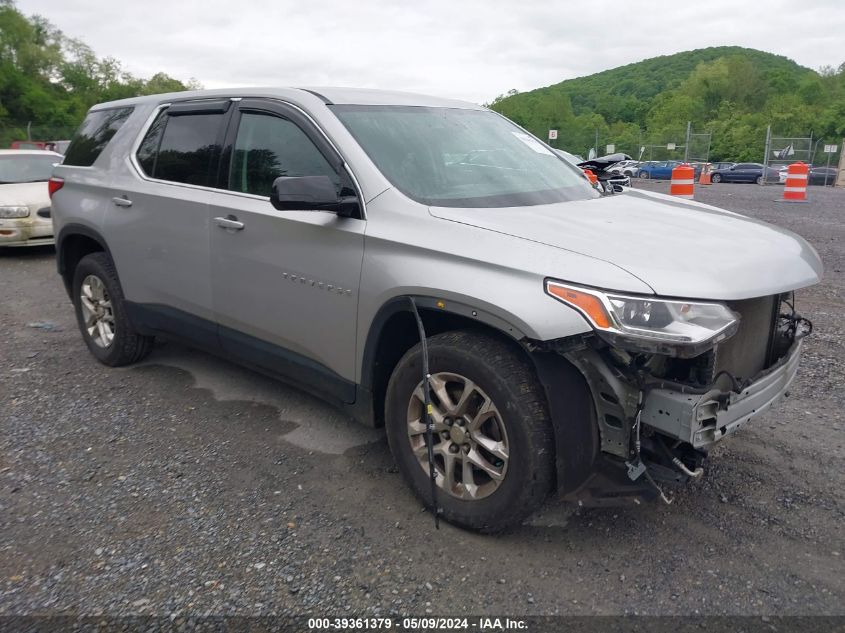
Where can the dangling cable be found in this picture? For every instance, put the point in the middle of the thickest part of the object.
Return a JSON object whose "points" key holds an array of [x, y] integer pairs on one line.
{"points": [[429, 424]]}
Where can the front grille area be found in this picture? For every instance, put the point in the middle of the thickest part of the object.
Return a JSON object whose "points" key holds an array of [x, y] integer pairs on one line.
{"points": [[749, 351]]}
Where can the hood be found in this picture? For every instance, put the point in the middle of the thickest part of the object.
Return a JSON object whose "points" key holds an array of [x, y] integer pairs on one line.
{"points": [[679, 248], [603, 162], [32, 194]]}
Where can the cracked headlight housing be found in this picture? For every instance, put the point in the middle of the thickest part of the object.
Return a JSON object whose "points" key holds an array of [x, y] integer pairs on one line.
{"points": [[649, 324], [14, 211]]}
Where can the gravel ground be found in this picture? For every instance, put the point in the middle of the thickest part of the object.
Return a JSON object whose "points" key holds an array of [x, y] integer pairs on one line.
{"points": [[188, 485]]}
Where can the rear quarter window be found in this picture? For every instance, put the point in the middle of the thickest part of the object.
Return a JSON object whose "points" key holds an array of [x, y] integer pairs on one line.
{"points": [[94, 134]]}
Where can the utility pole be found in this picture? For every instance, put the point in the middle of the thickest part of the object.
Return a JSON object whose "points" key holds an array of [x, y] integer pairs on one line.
{"points": [[686, 144]]}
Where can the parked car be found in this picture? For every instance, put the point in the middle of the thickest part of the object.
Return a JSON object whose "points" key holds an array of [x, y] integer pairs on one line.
{"points": [[50, 146], [822, 175], [745, 172], [29, 145], [606, 180], [816, 175], [24, 199], [305, 232], [59, 146], [720, 166], [625, 168], [602, 168], [662, 170]]}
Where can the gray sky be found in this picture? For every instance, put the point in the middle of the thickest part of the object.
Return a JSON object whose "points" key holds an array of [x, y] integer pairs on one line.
{"points": [[468, 49]]}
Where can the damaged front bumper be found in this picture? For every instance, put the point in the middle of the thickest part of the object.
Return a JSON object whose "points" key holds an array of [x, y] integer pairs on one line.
{"points": [[36, 230], [701, 420], [651, 426]]}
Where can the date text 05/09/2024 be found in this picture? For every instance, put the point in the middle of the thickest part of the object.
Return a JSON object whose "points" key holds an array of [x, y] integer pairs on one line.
{"points": [[429, 623]]}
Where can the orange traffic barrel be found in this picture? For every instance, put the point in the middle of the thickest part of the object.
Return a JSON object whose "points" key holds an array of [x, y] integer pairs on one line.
{"points": [[683, 181], [591, 176], [795, 189], [704, 178]]}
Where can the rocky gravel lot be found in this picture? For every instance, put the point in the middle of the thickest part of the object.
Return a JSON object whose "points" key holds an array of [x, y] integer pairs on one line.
{"points": [[187, 485]]}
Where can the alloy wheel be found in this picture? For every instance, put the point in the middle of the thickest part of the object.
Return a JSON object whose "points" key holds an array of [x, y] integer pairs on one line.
{"points": [[470, 442], [97, 311]]}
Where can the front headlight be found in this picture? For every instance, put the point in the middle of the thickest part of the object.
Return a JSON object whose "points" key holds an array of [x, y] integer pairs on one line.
{"points": [[14, 212], [664, 326]]}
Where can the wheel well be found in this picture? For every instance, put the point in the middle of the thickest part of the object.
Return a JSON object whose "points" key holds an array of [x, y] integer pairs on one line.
{"points": [[73, 248], [399, 334]]}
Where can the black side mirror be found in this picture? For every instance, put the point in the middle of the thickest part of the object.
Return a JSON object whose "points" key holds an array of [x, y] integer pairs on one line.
{"points": [[311, 193]]}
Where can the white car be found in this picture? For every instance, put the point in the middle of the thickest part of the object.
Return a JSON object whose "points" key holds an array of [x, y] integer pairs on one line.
{"points": [[625, 168], [24, 198]]}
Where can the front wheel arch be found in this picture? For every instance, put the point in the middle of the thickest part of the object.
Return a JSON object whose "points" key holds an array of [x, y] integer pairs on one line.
{"points": [[393, 331], [568, 395]]}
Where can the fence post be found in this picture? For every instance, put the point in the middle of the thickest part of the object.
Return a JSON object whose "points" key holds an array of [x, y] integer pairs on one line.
{"points": [[766, 152], [840, 175]]}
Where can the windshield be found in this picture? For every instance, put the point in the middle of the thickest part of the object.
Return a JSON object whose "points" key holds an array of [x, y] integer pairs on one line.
{"points": [[452, 157], [26, 168]]}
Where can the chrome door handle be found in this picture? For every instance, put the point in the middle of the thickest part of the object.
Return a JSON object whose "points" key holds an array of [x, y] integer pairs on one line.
{"points": [[122, 202], [229, 223]]}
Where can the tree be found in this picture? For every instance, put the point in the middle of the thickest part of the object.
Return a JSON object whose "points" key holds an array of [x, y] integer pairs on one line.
{"points": [[51, 80]]}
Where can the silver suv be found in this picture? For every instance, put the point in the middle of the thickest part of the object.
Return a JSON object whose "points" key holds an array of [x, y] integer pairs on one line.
{"points": [[591, 346]]}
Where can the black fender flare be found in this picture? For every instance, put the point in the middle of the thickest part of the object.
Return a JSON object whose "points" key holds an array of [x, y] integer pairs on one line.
{"points": [[401, 303], [69, 230]]}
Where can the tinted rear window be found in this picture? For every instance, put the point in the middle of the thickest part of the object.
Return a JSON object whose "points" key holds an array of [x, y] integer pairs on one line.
{"points": [[187, 149], [94, 134]]}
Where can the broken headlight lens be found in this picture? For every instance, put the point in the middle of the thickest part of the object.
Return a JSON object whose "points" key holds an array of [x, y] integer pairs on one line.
{"points": [[14, 212], [666, 326]]}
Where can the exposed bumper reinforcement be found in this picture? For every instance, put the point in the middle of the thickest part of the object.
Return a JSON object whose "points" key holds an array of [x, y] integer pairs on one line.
{"points": [[703, 420]]}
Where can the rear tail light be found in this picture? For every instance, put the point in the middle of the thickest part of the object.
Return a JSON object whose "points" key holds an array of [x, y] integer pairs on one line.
{"points": [[54, 184]]}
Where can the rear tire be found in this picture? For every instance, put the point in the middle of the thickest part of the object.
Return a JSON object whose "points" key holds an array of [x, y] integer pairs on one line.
{"points": [[644, 175], [759, 180], [504, 392], [101, 313], [715, 178]]}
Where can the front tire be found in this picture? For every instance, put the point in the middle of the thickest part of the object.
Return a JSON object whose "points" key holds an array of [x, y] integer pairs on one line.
{"points": [[101, 313], [759, 180], [493, 441], [644, 175], [716, 178]]}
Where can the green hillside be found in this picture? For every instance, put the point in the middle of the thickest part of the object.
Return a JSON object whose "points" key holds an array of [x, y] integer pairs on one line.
{"points": [[730, 91]]}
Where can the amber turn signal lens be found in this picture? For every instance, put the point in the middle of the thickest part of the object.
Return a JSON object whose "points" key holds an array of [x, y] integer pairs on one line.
{"points": [[587, 303]]}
